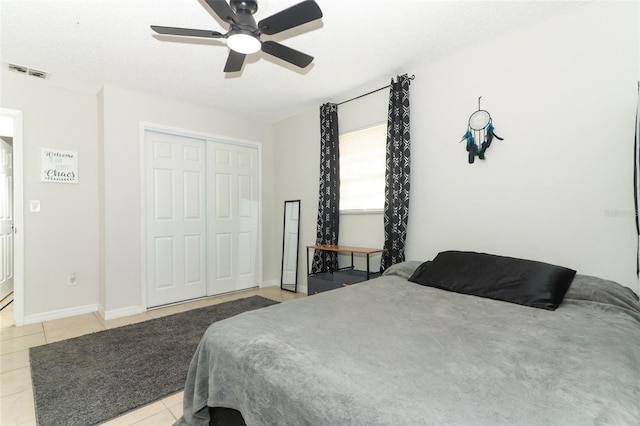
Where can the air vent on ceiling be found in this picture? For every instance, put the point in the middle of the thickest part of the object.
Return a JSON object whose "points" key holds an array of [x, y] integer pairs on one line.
{"points": [[18, 68], [39, 74], [29, 71]]}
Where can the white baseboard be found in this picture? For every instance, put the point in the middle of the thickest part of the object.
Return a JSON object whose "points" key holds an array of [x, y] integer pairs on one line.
{"points": [[60, 313], [120, 312], [270, 283], [81, 310]]}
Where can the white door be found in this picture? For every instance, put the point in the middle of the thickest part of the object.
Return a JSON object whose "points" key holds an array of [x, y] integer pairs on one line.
{"points": [[6, 219], [233, 198], [176, 224]]}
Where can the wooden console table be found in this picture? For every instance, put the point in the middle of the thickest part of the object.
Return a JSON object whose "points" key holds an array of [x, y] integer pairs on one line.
{"points": [[344, 249]]}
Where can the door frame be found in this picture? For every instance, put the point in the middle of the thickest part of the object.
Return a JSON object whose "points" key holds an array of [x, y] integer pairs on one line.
{"points": [[18, 214], [161, 128]]}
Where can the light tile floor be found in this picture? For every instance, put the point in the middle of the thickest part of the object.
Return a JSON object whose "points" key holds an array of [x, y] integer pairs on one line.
{"points": [[16, 395]]}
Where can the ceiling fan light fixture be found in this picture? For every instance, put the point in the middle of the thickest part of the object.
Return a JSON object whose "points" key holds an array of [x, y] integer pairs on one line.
{"points": [[243, 43], [243, 37]]}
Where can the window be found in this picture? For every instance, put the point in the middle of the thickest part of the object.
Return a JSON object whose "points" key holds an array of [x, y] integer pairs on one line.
{"points": [[362, 169]]}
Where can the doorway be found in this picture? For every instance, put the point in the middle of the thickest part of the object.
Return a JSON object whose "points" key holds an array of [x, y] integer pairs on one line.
{"points": [[202, 210], [6, 217], [12, 219]]}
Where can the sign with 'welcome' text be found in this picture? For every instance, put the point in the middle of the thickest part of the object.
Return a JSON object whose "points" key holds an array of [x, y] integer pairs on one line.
{"points": [[59, 166]]}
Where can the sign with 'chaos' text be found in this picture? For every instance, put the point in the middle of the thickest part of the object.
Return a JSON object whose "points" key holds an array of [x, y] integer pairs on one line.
{"points": [[59, 166]]}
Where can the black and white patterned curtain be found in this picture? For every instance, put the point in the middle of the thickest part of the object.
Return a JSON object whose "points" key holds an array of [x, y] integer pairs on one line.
{"points": [[398, 164], [329, 196], [636, 180]]}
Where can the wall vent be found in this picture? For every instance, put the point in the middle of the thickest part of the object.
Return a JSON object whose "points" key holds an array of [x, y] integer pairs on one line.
{"points": [[18, 68], [29, 71], [39, 74]]}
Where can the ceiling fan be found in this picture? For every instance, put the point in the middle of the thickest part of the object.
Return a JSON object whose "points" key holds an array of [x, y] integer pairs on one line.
{"points": [[243, 37]]}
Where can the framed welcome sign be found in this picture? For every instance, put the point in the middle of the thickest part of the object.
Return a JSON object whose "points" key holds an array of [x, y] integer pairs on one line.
{"points": [[59, 166]]}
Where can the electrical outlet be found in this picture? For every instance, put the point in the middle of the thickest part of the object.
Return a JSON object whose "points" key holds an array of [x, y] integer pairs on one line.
{"points": [[34, 206], [72, 280]]}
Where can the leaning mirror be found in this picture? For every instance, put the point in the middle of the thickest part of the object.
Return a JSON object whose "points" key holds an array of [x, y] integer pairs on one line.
{"points": [[290, 250]]}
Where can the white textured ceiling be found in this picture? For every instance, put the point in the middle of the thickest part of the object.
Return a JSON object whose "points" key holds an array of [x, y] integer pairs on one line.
{"points": [[358, 46]]}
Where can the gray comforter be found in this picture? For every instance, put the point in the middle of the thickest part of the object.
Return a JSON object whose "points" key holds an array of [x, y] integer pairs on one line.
{"points": [[391, 352]]}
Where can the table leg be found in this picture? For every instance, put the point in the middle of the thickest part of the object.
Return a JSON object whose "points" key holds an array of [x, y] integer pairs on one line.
{"points": [[367, 266]]}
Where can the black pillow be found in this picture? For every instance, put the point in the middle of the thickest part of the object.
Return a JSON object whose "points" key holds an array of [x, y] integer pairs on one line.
{"points": [[525, 282]]}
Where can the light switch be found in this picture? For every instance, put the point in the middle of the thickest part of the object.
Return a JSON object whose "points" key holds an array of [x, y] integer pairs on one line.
{"points": [[34, 206]]}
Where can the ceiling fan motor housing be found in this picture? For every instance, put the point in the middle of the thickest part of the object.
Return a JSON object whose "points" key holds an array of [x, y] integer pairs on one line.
{"points": [[245, 22], [240, 6]]}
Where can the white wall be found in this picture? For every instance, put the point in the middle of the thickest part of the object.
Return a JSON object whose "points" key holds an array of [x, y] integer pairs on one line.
{"points": [[563, 95], [297, 152], [558, 189], [63, 236], [355, 115], [93, 228], [124, 111]]}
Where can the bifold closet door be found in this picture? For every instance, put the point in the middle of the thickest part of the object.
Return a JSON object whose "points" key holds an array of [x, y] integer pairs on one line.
{"points": [[176, 222], [233, 197]]}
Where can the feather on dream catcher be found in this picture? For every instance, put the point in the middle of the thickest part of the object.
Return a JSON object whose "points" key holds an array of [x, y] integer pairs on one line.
{"points": [[480, 133]]}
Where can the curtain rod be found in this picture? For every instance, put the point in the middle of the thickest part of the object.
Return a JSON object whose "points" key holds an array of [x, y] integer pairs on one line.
{"points": [[371, 92]]}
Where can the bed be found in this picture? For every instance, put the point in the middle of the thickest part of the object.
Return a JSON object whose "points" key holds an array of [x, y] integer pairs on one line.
{"points": [[391, 351]]}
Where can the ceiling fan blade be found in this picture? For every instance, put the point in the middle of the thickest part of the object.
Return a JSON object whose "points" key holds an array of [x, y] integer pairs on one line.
{"points": [[299, 14], [223, 10], [234, 61], [286, 53], [185, 32]]}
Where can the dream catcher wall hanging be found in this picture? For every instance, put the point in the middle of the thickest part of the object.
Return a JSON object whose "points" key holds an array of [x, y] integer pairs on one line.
{"points": [[480, 133]]}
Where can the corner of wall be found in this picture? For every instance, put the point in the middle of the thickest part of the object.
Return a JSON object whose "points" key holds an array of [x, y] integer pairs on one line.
{"points": [[101, 232], [120, 312]]}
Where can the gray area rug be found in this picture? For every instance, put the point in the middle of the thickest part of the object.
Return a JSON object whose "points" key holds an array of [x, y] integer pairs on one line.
{"points": [[93, 378]]}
